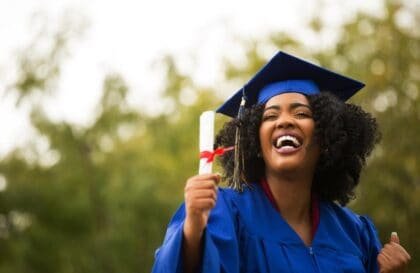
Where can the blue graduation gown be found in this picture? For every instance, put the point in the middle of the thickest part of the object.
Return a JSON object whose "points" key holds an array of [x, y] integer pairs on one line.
{"points": [[245, 233]]}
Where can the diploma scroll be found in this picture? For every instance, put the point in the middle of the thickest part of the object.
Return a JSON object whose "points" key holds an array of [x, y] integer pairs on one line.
{"points": [[206, 140]]}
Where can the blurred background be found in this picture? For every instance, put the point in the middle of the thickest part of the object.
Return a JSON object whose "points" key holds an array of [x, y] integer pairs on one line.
{"points": [[100, 103]]}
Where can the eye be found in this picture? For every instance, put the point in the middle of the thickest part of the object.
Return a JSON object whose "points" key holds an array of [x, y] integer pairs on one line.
{"points": [[269, 116], [303, 114]]}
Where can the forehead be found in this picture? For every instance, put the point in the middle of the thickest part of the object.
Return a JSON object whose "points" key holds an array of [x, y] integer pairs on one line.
{"points": [[287, 98]]}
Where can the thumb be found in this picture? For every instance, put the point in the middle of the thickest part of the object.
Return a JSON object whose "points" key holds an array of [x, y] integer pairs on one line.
{"points": [[394, 238]]}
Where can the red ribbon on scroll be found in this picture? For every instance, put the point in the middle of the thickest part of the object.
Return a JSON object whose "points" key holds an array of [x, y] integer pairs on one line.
{"points": [[210, 155]]}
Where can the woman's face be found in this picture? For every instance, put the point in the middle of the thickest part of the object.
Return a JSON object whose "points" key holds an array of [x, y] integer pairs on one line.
{"points": [[287, 134]]}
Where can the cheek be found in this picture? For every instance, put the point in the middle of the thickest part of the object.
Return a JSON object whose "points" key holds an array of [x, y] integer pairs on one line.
{"points": [[308, 127], [314, 145], [265, 137], [315, 150], [312, 135]]}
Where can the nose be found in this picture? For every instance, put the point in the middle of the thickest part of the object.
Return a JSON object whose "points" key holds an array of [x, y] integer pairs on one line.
{"points": [[285, 122]]}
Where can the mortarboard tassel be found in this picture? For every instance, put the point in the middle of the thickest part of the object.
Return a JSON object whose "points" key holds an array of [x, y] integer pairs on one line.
{"points": [[239, 158]]}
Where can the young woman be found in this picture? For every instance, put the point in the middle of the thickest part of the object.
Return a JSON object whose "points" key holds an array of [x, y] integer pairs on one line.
{"points": [[299, 151]]}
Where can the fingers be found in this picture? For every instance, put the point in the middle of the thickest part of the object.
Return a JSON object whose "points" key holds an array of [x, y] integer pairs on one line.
{"points": [[200, 197], [203, 181], [201, 193], [200, 200], [393, 257], [203, 177], [394, 238]]}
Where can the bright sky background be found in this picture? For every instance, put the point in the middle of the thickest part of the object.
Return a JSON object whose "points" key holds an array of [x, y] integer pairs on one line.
{"points": [[128, 37]]}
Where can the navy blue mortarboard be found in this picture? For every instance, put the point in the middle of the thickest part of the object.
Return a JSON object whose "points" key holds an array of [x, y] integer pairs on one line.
{"points": [[285, 73]]}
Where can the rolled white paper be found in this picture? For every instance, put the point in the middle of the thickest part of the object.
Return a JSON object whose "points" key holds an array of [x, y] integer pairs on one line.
{"points": [[206, 140]]}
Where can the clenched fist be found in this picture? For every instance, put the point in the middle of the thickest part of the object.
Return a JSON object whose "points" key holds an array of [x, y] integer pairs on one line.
{"points": [[200, 197], [393, 258]]}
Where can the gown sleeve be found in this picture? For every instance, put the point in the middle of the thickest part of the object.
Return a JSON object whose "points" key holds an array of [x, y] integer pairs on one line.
{"points": [[372, 245], [220, 245]]}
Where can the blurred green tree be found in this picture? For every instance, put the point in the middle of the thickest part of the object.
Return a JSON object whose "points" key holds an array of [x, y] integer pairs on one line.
{"points": [[388, 60], [98, 198]]}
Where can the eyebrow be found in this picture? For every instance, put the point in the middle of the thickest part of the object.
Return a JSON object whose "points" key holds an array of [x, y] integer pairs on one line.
{"points": [[292, 106]]}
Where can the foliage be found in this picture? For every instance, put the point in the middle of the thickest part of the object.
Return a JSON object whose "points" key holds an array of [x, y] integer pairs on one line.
{"points": [[98, 198]]}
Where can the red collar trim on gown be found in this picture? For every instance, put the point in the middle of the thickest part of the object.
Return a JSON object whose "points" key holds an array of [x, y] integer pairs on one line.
{"points": [[314, 205]]}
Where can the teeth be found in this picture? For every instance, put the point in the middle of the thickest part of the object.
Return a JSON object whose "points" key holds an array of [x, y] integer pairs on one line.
{"points": [[287, 137]]}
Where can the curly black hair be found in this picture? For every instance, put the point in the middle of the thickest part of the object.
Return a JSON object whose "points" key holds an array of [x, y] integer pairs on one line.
{"points": [[346, 135]]}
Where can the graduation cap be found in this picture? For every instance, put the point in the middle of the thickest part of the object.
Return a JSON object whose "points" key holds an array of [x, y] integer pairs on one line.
{"points": [[286, 73]]}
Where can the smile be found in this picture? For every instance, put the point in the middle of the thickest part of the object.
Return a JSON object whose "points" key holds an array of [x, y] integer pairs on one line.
{"points": [[286, 144]]}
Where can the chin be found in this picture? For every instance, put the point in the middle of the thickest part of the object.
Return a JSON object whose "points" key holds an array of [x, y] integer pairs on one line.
{"points": [[287, 166], [292, 162]]}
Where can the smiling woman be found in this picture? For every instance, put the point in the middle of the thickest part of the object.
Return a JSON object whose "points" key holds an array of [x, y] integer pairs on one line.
{"points": [[344, 133], [298, 151]]}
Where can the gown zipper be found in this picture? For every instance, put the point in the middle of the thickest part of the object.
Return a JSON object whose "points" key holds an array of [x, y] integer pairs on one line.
{"points": [[314, 262]]}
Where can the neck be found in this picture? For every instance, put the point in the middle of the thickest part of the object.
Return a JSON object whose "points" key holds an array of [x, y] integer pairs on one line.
{"points": [[292, 194]]}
